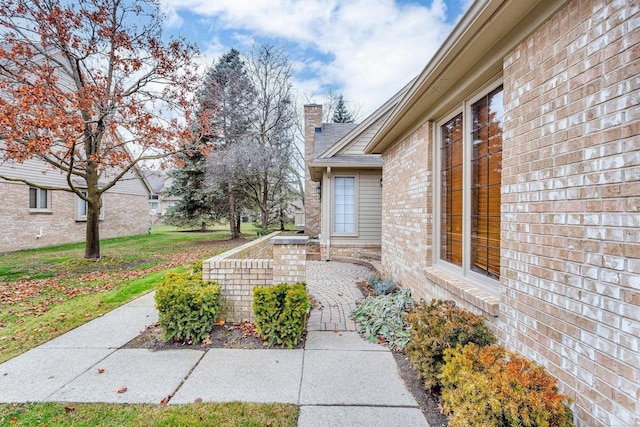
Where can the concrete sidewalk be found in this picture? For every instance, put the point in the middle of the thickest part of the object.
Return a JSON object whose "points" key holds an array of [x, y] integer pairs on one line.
{"points": [[337, 380]]}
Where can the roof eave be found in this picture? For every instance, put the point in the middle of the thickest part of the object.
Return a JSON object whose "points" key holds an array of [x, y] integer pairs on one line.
{"points": [[470, 31]]}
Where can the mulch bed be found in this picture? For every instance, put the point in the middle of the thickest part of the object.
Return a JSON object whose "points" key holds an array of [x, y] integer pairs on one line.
{"points": [[230, 335]]}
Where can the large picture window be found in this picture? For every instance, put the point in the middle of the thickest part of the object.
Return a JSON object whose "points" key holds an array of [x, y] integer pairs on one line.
{"points": [[486, 178], [470, 182], [451, 194], [344, 205]]}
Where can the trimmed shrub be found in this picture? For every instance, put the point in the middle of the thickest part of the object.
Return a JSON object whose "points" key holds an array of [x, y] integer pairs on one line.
{"points": [[281, 312], [490, 386], [187, 306], [437, 326], [383, 316]]}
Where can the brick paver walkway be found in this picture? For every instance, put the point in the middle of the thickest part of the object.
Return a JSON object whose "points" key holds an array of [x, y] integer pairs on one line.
{"points": [[333, 286]]}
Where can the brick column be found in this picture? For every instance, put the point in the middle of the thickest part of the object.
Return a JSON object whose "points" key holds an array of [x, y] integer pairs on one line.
{"points": [[289, 259], [312, 120]]}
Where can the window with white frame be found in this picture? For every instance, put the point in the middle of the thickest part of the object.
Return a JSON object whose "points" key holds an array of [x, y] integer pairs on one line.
{"points": [[470, 179], [82, 208], [344, 205], [39, 199]]}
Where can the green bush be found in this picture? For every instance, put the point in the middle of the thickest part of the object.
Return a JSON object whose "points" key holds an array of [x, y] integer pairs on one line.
{"points": [[381, 286], [187, 306], [490, 386], [384, 316], [281, 312], [437, 326]]}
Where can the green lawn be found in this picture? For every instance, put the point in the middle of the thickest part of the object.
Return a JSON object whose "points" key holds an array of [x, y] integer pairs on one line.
{"points": [[103, 414], [46, 292]]}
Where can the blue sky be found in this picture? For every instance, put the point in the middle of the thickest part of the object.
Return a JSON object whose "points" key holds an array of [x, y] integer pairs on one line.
{"points": [[365, 49]]}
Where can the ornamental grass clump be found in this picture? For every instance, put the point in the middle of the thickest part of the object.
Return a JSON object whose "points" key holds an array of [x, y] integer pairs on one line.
{"points": [[281, 312], [490, 386], [187, 306], [383, 317], [437, 326]]}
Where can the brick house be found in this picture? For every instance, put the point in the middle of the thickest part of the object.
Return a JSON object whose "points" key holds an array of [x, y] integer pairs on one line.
{"points": [[31, 217], [511, 171], [343, 197]]}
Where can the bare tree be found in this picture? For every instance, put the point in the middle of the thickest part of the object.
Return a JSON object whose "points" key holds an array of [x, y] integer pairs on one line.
{"points": [[228, 99], [271, 127]]}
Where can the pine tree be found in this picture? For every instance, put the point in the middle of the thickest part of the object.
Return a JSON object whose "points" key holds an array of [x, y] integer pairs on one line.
{"points": [[341, 114], [227, 98], [199, 205]]}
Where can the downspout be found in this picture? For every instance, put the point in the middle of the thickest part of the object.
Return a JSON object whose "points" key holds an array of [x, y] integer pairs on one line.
{"points": [[330, 214]]}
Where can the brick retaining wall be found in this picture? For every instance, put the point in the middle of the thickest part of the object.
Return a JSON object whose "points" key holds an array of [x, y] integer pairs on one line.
{"points": [[238, 275]]}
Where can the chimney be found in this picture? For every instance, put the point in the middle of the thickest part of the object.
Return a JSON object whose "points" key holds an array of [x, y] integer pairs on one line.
{"points": [[312, 125]]}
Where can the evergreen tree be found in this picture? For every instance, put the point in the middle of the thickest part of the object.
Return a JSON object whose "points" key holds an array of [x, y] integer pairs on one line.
{"points": [[227, 98], [341, 114], [199, 205]]}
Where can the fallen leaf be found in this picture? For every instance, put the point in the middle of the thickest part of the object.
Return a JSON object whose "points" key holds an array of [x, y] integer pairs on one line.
{"points": [[52, 376], [69, 408], [198, 400], [219, 323], [101, 370], [14, 420], [205, 342], [121, 390]]}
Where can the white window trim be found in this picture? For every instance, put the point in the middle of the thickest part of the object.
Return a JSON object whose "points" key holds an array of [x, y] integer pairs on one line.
{"points": [[462, 273], [38, 210], [79, 202], [355, 201]]}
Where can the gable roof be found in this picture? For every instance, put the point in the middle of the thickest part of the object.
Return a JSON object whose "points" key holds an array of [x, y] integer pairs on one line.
{"points": [[342, 144], [476, 47], [375, 118], [328, 135]]}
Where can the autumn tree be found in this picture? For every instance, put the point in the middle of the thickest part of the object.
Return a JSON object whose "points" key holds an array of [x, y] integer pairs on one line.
{"points": [[90, 89]]}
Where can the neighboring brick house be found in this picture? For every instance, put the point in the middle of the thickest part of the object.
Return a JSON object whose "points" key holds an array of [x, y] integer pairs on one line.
{"points": [[33, 218], [511, 171], [159, 201], [343, 185]]}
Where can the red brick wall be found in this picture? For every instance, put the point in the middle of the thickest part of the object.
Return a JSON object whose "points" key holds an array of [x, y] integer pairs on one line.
{"points": [[125, 215], [571, 202]]}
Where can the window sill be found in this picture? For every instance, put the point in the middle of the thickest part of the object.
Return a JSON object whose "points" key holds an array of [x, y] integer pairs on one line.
{"points": [[475, 296], [40, 212], [344, 234]]}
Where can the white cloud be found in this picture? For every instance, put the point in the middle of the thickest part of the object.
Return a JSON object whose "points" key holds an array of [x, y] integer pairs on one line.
{"points": [[375, 47]]}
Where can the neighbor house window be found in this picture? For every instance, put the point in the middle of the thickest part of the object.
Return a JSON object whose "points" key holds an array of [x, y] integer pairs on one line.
{"points": [[39, 199], [344, 205], [82, 208], [470, 181]]}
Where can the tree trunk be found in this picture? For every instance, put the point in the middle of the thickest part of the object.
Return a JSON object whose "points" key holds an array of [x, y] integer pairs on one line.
{"points": [[281, 220], [232, 212], [94, 203], [264, 206], [238, 218]]}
